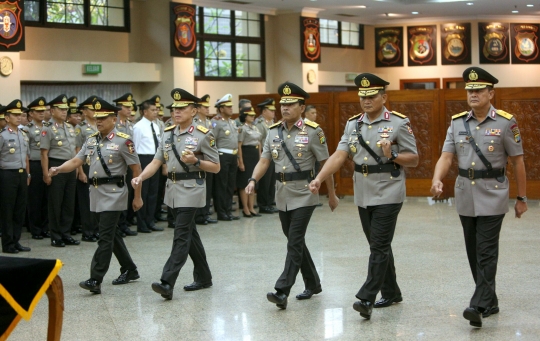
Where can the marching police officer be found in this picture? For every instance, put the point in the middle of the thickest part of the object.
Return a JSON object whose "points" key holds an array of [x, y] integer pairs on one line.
{"points": [[294, 146], [267, 184], [381, 143], [483, 139], [57, 146], [108, 153], [14, 177], [189, 152]]}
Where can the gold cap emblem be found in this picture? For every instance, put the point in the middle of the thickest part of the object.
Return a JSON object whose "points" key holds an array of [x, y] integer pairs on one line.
{"points": [[41, 102], [364, 82], [473, 75], [19, 104], [158, 99], [177, 96], [286, 90], [64, 100], [129, 98], [97, 105]]}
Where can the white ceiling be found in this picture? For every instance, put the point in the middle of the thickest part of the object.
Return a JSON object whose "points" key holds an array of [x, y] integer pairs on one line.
{"points": [[382, 12]]}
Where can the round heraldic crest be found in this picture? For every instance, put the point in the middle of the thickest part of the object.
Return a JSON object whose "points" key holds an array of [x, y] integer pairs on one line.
{"points": [[158, 99], [177, 96], [129, 98], [286, 90], [19, 105], [64, 100], [365, 83], [97, 105], [41, 102], [473, 75]]}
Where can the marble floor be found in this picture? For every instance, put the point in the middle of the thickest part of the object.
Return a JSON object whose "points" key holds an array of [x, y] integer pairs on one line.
{"points": [[247, 256]]}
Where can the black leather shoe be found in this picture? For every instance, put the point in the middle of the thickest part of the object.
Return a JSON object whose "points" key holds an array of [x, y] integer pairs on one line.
{"points": [[255, 214], [57, 243], [266, 210], [70, 241], [279, 299], [126, 277], [128, 232], [155, 228], [490, 311], [474, 317], [247, 215], [306, 295], [224, 218], [364, 308], [89, 239], [131, 222], [10, 250], [161, 219], [211, 221], [36, 236], [197, 286], [386, 302], [234, 217], [163, 289], [144, 230], [92, 285], [19, 247], [201, 222]]}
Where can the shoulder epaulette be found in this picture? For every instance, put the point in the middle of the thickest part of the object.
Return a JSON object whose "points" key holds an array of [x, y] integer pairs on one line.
{"points": [[47, 124], [505, 114], [202, 129], [123, 135], [355, 116], [399, 114], [275, 125], [24, 132], [460, 115], [170, 127], [69, 125], [94, 134], [82, 123], [31, 124], [2, 130], [312, 124]]}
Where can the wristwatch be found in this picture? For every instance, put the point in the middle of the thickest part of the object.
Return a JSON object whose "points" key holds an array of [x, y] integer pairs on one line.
{"points": [[198, 163], [394, 155], [524, 199], [252, 179], [29, 175]]}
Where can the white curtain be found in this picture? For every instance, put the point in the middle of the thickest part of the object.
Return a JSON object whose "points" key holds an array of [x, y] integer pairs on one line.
{"points": [[108, 92]]}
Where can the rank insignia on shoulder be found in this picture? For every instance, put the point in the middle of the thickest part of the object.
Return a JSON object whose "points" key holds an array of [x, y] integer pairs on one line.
{"points": [[505, 114], [354, 117], [461, 114], [170, 127], [312, 124], [202, 129], [275, 125], [399, 114], [123, 135], [47, 124], [94, 134]]}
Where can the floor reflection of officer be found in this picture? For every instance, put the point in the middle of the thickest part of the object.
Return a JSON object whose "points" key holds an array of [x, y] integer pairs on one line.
{"points": [[14, 177], [109, 153], [37, 190], [483, 139], [189, 152], [380, 143], [294, 150], [266, 189]]}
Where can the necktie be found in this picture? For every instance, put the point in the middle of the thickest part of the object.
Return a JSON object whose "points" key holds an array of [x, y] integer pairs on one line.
{"points": [[155, 136]]}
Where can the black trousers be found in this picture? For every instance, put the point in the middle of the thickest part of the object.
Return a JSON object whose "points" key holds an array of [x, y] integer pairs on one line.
{"points": [[482, 244], [37, 201], [88, 219], [61, 202], [225, 183], [294, 225], [162, 181], [267, 187], [379, 224], [186, 242], [109, 242], [204, 212], [127, 214], [149, 192], [13, 197]]}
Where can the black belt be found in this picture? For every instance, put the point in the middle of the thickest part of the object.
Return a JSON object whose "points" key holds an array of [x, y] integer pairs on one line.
{"points": [[118, 180], [248, 146], [186, 176], [481, 174], [57, 160], [303, 175], [384, 168], [18, 170]]}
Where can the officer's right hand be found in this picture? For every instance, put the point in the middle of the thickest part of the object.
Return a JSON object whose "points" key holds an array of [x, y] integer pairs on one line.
{"points": [[135, 182], [82, 177], [250, 188], [47, 179], [314, 186], [436, 188]]}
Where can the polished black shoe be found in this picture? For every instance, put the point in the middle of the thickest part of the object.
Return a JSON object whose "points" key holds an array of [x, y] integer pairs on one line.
{"points": [[386, 302], [364, 308], [92, 285], [197, 286], [160, 218], [126, 277], [170, 226], [35, 236], [234, 217], [490, 311], [211, 221], [10, 250], [306, 295], [247, 215], [163, 289], [46, 234], [255, 214], [155, 228], [70, 241], [224, 218], [201, 222], [89, 239], [474, 317], [144, 230], [128, 232], [121, 233], [57, 243], [279, 299], [266, 210], [96, 235], [19, 247]]}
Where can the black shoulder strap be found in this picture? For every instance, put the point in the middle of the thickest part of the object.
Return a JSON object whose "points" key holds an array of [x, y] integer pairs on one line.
{"points": [[103, 164], [289, 155], [364, 144], [182, 163], [475, 146]]}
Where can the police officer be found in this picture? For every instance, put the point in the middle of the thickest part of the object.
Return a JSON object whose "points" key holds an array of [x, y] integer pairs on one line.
{"points": [[294, 146], [74, 118], [189, 152], [57, 146], [483, 140], [37, 189], [109, 153], [267, 184], [381, 143], [14, 177]]}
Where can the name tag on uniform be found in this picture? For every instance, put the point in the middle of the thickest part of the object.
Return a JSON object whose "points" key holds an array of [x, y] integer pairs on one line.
{"points": [[301, 139], [192, 141], [462, 133], [112, 146], [276, 140]]}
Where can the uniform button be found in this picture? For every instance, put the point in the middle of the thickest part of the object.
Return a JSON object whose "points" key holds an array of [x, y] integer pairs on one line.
{"points": [[496, 186], [284, 183], [492, 141], [114, 189], [473, 164], [367, 142], [95, 172], [477, 128], [472, 183], [369, 127], [305, 185], [284, 167], [288, 136], [460, 141], [97, 158], [365, 158], [391, 178]]}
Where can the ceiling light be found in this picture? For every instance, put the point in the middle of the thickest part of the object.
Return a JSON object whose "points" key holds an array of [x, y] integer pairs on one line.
{"points": [[361, 6], [515, 11], [470, 3], [530, 5], [415, 13]]}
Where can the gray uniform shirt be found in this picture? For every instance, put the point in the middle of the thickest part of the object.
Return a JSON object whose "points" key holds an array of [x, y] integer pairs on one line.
{"points": [[125, 127], [82, 132], [118, 152], [498, 137], [13, 149], [249, 135], [207, 123], [378, 188], [59, 139], [199, 140], [307, 145], [260, 122], [34, 139], [225, 132]]}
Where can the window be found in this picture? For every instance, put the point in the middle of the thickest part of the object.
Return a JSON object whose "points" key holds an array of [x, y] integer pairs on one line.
{"points": [[112, 15], [341, 33], [230, 45]]}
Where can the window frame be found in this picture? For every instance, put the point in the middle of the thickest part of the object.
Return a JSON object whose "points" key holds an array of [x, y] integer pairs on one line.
{"points": [[360, 45], [87, 19], [233, 39]]}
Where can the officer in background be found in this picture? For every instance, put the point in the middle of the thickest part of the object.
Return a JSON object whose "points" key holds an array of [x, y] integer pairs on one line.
{"points": [[380, 143], [266, 190], [134, 111], [189, 152], [14, 177], [483, 140], [294, 145], [3, 122], [57, 145], [226, 133], [108, 153], [37, 189], [74, 118]]}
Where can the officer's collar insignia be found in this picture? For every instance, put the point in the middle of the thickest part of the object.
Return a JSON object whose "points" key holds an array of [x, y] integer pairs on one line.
{"points": [[191, 129], [111, 136], [286, 90], [299, 124], [386, 115], [473, 75], [365, 82]]}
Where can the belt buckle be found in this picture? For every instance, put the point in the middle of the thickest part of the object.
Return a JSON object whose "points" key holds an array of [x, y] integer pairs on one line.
{"points": [[21, 170], [281, 177], [471, 173], [365, 169], [173, 176], [234, 151], [94, 182]]}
